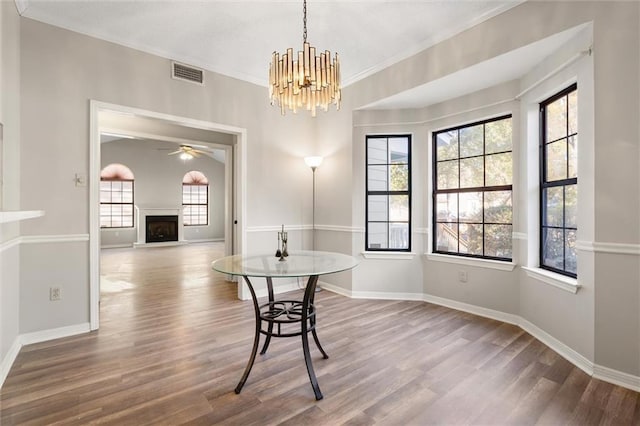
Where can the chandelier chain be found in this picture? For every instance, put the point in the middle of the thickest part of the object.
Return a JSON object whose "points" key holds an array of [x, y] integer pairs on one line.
{"points": [[304, 20]]}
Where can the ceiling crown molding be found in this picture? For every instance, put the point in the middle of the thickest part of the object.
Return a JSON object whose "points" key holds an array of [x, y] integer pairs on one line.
{"points": [[22, 6]]}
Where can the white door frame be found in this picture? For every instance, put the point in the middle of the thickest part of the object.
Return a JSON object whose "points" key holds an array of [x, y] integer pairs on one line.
{"points": [[235, 174]]}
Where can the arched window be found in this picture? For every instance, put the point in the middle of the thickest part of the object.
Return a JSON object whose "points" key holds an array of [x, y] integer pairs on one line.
{"points": [[195, 199], [116, 197]]}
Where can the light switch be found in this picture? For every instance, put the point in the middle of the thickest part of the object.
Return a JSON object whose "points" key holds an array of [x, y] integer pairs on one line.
{"points": [[80, 179]]}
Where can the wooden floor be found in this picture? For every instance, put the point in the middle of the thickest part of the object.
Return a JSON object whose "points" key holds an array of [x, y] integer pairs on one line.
{"points": [[174, 341]]}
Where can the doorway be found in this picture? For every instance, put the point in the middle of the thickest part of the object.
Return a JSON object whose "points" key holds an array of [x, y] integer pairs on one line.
{"points": [[149, 125]]}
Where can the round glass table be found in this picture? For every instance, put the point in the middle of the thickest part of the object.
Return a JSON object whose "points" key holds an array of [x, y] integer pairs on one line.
{"points": [[285, 318]]}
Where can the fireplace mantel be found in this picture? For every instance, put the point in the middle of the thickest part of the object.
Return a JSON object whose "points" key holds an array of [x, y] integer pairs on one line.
{"points": [[141, 217]]}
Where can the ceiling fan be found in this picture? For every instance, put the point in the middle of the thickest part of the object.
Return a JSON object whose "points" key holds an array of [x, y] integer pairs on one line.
{"points": [[188, 152]]}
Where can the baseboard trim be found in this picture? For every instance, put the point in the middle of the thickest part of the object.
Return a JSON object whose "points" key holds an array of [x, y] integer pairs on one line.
{"points": [[37, 337], [606, 374], [385, 295], [617, 377], [9, 359], [54, 333], [335, 289], [114, 246], [473, 309], [563, 350]]}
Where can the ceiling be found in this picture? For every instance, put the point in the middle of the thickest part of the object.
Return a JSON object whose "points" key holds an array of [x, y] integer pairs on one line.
{"points": [[164, 134], [236, 37], [506, 67]]}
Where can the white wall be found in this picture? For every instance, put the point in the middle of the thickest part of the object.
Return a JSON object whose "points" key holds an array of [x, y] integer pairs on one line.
{"points": [[158, 183], [9, 178]]}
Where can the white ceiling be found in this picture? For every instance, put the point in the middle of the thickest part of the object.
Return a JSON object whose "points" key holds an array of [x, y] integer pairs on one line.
{"points": [[506, 67], [236, 37], [164, 134]]}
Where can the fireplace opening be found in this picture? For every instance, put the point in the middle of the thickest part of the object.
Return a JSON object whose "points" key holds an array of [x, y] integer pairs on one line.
{"points": [[161, 229]]}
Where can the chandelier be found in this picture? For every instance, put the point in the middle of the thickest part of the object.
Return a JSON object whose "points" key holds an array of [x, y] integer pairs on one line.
{"points": [[304, 80]]}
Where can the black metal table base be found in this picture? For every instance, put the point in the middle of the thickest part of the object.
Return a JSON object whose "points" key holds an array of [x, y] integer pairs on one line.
{"points": [[279, 315]]}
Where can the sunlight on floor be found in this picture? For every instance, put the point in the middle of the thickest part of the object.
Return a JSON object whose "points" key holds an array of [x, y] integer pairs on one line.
{"points": [[114, 286]]}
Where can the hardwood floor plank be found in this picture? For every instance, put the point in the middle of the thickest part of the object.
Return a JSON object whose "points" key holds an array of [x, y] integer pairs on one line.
{"points": [[403, 404], [620, 407], [560, 408], [531, 406], [174, 341]]}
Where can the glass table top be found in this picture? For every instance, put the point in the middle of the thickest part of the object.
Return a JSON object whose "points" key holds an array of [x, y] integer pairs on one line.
{"points": [[298, 264]]}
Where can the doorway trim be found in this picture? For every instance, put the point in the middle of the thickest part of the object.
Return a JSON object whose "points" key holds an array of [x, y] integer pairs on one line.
{"points": [[235, 232]]}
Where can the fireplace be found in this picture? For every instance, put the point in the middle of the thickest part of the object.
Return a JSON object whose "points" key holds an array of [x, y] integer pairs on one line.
{"points": [[161, 234], [161, 229]]}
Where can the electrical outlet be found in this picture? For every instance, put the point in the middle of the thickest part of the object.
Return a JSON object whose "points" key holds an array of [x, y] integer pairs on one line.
{"points": [[462, 276], [54, 293]]}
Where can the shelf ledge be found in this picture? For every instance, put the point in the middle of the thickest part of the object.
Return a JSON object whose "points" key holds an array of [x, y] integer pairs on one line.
{"points": [[394, 255], [472, 261], [15, 216], [556, 280]]}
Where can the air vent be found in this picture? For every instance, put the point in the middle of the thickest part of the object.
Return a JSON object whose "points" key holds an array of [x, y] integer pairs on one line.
{"points": [[187, 73]]}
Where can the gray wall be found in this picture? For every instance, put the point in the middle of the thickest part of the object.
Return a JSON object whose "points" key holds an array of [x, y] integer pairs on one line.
{"points": [[158, 183], [10, 118]]}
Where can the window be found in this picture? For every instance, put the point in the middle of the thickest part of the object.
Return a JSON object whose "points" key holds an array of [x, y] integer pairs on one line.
{"points": [[195, 199], [116, 197], [388, 193], [472, 195], [559, 182]]}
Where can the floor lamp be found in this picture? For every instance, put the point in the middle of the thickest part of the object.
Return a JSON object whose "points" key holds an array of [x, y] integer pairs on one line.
{"points": [[314, 163]]}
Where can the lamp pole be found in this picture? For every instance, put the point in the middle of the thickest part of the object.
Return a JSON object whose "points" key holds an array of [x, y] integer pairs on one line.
{"points": [[313, 209], [314, 163]]}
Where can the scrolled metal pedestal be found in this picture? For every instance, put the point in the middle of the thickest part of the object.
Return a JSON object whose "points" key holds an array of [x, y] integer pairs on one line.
{"points": [[281, 314]]}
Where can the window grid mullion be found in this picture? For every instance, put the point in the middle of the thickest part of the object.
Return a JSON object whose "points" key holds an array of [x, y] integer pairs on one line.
{"points": [[388, 193], [458, 190], [545, 185], [388, 196]]}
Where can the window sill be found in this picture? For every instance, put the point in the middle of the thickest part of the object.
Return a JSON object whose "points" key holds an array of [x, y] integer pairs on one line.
{"points": [[556, 280], [480, 263], [15, 216], [388, 255]]}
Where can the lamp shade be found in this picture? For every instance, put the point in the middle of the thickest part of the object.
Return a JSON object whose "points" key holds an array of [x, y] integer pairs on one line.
{"points": [[313, 162]]}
